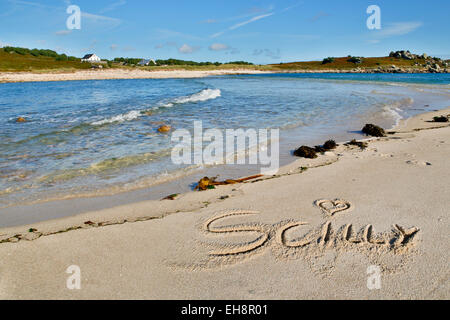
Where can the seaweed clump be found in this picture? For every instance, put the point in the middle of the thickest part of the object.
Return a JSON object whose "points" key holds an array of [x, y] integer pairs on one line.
{"points": [[327, 146], [373, 130], [306, 152], [440, 119], [361, 144]]}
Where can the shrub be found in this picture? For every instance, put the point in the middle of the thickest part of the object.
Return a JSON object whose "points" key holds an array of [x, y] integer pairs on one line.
{"points": [[328, 60]]}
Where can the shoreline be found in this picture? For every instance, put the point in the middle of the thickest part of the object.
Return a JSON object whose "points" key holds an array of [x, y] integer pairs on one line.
{"points": [[79, 204], [408, 125], [117, 74], [158, 249], [121, 74]]}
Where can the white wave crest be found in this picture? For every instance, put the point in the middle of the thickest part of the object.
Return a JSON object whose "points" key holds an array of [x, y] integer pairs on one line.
{"points": [[204, 95], [394, 110], [134, 114]]}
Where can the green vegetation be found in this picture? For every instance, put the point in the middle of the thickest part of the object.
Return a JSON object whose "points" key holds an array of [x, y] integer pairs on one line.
{"points": [[37, 60], [343, 63], [40, 53], [16, 59], [356, 60], [176, 62], [328, 60]]}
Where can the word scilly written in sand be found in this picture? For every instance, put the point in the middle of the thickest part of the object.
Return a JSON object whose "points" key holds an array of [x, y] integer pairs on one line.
{"points": [[322, 236], [313, 244]]}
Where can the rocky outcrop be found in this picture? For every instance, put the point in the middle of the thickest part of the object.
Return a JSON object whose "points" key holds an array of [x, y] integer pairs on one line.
{"points": [[404, 55]]}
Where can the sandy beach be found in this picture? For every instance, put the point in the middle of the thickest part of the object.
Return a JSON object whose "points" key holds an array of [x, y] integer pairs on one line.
{"points": [[317, 230], [109, 74]]}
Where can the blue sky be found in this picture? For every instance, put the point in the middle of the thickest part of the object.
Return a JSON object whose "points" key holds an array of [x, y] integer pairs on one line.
{"points": [[256, 31]]}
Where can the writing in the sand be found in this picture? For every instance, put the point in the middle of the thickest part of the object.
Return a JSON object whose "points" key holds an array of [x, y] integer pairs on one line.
{"points": [[322, 237]]}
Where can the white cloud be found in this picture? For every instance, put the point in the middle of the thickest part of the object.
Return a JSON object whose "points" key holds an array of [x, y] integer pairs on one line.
{"points": [[114, 47], [218, 47], [185, 48]]}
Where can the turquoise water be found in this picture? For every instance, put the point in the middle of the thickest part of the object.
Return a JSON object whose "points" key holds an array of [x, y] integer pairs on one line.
{"points": [[87, 136]]}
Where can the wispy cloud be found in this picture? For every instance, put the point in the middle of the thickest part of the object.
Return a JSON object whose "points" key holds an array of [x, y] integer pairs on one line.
{"points": [[63, 32], [241, 24], [251, 20], [99, 18], [86, 15], [397, 29], [166, 34], [113, 6], [29, 3], [319, 16], [268, 53]]}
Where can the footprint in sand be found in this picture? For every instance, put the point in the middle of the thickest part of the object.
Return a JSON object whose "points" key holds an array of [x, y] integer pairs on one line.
{"points": [[418, 163]]}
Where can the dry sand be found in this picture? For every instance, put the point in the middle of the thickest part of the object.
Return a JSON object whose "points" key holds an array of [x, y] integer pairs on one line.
{"points": [[116, 74], [305, 234]]}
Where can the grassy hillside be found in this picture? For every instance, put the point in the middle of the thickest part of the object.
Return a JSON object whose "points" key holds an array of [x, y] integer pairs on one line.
{"points": [[21, 59], [344, 64], [27, 62]]}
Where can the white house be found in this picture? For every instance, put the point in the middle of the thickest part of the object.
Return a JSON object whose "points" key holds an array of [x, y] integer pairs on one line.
{"points": [[92, 57], [145, 62]]}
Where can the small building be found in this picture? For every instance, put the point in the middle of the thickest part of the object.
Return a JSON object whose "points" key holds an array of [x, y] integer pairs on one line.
{"points": [[146, 62], [92, 57]]}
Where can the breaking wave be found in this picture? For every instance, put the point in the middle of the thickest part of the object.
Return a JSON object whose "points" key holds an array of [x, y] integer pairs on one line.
{"points": [[204, 95]]}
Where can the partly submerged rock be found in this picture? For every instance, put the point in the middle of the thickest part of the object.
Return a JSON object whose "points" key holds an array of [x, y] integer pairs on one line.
{"points": [[306, 152], [164, 129], [373, 130]]}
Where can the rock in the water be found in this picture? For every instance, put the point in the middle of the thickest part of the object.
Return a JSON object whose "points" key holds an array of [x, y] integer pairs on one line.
{"points": [[21, 120], [373, 130], [305, 152], [164, 129]]}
